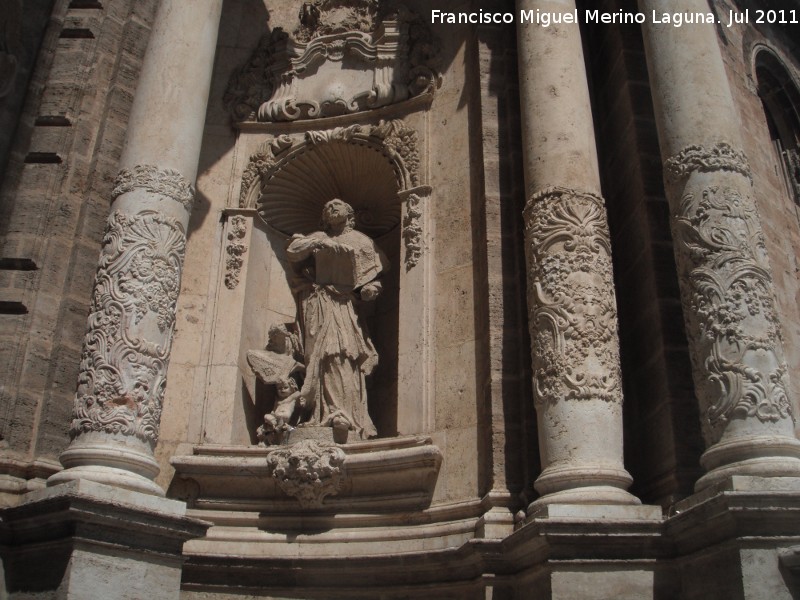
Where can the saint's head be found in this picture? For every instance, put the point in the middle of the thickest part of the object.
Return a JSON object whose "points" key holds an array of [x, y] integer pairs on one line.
{"points": [[337, 215]]}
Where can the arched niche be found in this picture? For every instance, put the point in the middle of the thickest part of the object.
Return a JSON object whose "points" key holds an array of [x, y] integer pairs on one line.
{"points": [[375, 169]]}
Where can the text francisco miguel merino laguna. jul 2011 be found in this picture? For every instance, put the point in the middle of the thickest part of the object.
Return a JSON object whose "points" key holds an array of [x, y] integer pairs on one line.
{"points": [[676, 19]]}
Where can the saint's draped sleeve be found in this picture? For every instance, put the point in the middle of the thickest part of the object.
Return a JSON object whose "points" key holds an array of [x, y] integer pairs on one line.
{"points": [[301, 246]]}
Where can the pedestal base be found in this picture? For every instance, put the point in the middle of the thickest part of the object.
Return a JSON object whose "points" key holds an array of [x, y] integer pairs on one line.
{"points": [[84, 540]]}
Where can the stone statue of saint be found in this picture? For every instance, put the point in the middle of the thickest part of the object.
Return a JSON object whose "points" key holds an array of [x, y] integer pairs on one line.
{"points": [[335, 268]]}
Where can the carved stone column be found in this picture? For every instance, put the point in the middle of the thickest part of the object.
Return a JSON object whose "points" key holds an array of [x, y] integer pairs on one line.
{"points": [[126, 350], [571, 303], [727, 289]]}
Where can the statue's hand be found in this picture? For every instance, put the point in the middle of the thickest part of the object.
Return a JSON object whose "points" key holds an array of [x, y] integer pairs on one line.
{"points": [[369, 292], [330, 244]]}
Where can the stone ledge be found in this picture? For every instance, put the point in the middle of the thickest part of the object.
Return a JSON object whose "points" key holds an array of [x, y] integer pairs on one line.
{"points": [[380, 476]]}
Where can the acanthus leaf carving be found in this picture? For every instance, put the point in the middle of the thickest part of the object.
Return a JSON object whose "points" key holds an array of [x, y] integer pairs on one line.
{"points": [[235, 250], [573, 323], [129, 331], [308, 470], [165, 182], [734, 332]]}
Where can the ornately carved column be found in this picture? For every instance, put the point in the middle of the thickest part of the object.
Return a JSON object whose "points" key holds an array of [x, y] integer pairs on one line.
{"points": [[571, 303], [726, 284], [132, 315]]}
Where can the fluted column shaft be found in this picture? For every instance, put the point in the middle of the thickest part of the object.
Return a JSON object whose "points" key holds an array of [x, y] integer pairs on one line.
{"points": [[126, 349], [727, 288], [571, 302]]}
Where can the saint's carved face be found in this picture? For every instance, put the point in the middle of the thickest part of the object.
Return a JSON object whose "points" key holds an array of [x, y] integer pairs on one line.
{"points": [[337, 212]]}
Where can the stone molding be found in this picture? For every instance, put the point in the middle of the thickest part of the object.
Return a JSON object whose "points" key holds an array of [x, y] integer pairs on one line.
{"points": [[727, 290], [164, 182], [389, 51], [308, 470], [573, 321], [235, 250], [129, 333]]}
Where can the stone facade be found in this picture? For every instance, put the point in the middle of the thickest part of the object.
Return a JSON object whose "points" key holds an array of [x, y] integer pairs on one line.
{"points": [[566, 297]]}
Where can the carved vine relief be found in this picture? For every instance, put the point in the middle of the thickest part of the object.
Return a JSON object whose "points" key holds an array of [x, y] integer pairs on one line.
{"points": [[132, 313], [123, 370], [573, 324], [729, 303]]}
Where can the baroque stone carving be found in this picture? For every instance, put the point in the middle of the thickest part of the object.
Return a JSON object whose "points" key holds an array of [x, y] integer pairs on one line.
{"points": [[165, 182], [127, 345], [333, 269], [720, 157], [395, 149], [412, 231], [342, 58], [573, 323], [393, 137], [235, 249], [308, 471], [728, 301]]}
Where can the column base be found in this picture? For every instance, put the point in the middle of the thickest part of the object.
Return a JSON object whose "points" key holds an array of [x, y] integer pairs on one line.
{"points": [[752, 456], [113, 460], [581, 485]]}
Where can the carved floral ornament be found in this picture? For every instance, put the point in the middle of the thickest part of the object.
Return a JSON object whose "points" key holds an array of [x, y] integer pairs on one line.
{"points": [[344, 57], [235, 250], [164, 182], [283, 182], [728, 298], [129, 333], [573, 323]]}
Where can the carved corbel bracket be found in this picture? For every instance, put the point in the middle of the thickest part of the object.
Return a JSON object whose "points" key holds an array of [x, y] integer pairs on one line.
{"points": [[308, 470]]}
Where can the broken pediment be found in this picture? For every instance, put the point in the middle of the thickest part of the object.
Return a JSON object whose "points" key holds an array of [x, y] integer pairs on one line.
{"points": [[343, 58]]}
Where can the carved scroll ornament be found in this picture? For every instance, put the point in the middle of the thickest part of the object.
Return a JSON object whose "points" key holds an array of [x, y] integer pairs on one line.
{"points": [[728, 298], [573, 323], [132, 317], [342, 58], [308, 471]]}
